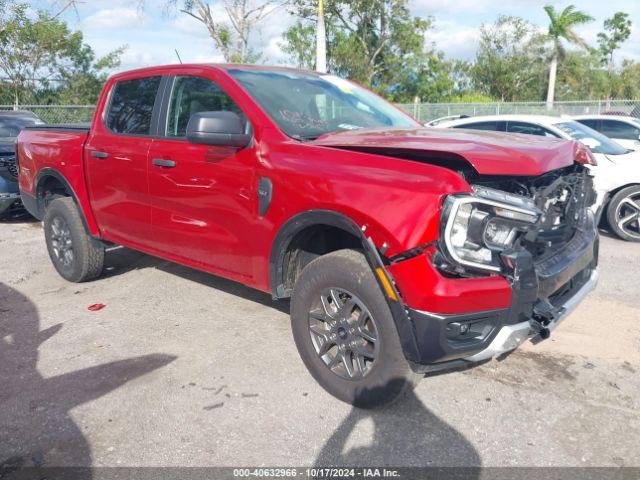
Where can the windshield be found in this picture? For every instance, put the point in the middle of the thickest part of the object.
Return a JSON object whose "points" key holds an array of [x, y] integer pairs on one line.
{"points": [[596, 142], [307, 105], [10, 125]]}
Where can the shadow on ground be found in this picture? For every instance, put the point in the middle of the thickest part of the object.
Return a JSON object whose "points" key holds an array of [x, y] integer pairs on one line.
{"points": [[35, 424], [405, 434], [18, 215], [120, 260]]}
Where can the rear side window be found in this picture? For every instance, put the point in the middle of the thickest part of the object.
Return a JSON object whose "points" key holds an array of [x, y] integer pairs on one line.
{"points": [[595, 124], [491, 126], [131, 106], [622, 130]]}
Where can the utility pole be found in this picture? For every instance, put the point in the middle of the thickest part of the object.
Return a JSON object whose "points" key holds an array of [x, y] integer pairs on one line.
{"points": [[321, 41]]}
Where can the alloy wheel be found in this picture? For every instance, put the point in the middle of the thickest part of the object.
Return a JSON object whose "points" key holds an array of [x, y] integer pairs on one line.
{"points": [[344, 333], [628, 215], [61, 241]]}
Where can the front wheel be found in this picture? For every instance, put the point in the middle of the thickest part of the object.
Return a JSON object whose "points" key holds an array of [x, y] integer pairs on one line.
{"points": [[76, 256], [623, 213], [345, 332]]}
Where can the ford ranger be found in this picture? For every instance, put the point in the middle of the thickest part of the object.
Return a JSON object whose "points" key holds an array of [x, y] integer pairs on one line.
{"points": [[403, 249]]}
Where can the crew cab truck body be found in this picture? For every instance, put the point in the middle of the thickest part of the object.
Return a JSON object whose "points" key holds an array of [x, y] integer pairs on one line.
{"points": [[404, 249]]}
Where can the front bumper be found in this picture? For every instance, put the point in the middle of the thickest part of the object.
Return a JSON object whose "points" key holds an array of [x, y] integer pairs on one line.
{"points": [[543, 293], [7, 200], [9, 194], [512, 336]]}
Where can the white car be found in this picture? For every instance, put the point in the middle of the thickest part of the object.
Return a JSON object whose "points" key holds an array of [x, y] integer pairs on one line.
{"points": [[624, 130], [616, 178]]}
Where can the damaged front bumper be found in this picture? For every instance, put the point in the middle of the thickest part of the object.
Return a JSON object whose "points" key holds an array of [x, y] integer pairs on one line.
{"points": [[544, 292], [510, 337]]}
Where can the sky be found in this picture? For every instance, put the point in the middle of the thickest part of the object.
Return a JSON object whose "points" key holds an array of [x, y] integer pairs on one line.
{"points": [[153, 35]]}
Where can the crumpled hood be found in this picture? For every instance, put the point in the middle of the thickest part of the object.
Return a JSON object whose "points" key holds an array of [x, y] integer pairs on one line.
{"points": [[489, 153]]}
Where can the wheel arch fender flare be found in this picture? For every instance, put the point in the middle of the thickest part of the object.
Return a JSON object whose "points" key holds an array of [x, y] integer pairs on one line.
{"points": [[301, 221], [49, 172], [297, 224]]}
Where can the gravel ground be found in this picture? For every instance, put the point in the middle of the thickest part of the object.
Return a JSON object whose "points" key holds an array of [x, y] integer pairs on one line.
{"points": [[183, 368]]}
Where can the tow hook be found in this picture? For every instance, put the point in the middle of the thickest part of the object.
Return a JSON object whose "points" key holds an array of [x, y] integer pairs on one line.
{"points": [[543, 315], [542, 333]]}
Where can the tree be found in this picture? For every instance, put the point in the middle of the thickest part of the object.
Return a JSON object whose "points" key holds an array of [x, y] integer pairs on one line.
{"points": [[375, 42], [561, 26], [509, 60], [581, 77], [232, 36], [629, 85], [617, 31], [41, 54]]}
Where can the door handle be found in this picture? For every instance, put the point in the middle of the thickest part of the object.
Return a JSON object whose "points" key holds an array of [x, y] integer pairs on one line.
{"points": [[97, 154], [161, 162]]}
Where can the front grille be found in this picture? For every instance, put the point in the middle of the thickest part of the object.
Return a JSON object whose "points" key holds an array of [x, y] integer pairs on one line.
{"points": [[565, 203], [564, 196], [8, 166]]}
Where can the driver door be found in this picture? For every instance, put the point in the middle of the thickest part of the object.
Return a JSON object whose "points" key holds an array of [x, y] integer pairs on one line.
{"points": [[203, 199]]}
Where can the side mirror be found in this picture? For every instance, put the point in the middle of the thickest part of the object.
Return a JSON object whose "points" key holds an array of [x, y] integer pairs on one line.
{"points": [[217, 128]]}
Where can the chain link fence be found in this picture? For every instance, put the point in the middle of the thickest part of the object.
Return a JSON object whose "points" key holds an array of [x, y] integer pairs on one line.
{"points": [[57, 113], [424, 112]]}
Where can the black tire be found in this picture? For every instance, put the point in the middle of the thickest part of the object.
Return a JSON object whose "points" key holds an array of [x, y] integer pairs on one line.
{"points": [[63, 226], [388, 375], [619, 208]]}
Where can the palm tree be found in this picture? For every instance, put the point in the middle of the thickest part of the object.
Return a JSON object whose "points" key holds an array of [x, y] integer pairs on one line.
{"points": [[561, 26]]}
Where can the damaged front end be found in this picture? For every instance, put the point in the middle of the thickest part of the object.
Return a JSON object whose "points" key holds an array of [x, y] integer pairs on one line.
{"points": [[538, 233]]}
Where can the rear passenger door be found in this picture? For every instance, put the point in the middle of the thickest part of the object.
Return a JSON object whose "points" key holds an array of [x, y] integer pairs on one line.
{"points": [[116, 164]]}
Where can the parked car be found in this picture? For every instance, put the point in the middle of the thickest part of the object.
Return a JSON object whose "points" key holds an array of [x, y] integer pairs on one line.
{"points": [[403, 249], [617, 176], [438, 121], [624, 130], [11, 122]]}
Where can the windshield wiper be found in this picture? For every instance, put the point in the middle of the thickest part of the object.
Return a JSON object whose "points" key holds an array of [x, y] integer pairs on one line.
{"points": [[306, 138]]}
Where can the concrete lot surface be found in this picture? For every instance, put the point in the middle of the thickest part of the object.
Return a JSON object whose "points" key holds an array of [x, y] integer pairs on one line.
{"points": [[182, 368]]}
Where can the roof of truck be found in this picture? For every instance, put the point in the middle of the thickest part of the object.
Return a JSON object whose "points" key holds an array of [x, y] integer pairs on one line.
{"points": [[221, 66]]}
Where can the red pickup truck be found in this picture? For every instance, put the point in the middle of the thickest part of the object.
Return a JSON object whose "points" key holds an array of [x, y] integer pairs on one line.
{"points": [[404, 249]]}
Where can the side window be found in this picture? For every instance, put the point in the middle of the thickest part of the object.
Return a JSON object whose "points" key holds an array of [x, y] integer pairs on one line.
{"points": [[591, 124], [623, 130], [192, 95], [131, 106], [492, 126], [529, 129]]}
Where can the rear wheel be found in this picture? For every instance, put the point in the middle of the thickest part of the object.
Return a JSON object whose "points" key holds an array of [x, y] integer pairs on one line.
{"points": [[76, 256], [345, 332], [623, 213]]}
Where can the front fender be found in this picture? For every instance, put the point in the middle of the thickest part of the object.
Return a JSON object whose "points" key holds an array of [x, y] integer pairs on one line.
{"points": [[397, 201]]}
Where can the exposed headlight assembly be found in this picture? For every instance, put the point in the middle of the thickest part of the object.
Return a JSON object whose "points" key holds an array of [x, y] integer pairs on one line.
{"points": [[479, 226]]}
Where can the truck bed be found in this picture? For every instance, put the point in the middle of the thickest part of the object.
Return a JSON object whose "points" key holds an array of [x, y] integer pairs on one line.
{"points": [[57, 150]]}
